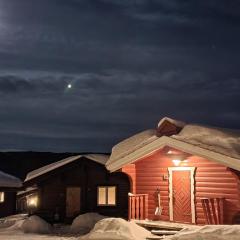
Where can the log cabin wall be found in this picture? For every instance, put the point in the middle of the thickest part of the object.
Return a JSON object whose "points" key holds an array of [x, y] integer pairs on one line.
{"points": [[211, 180], [88, 175], [130, 170], [8, 207]]}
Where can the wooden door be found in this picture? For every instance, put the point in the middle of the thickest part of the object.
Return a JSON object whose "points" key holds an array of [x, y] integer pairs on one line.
{"points": [[73, 201], [181, 191]]}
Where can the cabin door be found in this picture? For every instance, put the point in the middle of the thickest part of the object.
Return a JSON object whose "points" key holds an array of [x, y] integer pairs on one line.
{"points": [[181, 189], [73, 201]]}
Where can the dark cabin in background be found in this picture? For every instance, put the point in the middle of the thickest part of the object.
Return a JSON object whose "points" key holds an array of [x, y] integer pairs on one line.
{"points": [[9, 185], [78, 184]]}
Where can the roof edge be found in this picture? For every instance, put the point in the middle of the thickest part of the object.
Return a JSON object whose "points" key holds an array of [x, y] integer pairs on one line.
{"points": [[181, 145]]}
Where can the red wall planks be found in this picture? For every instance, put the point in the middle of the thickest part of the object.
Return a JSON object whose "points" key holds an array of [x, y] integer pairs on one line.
{"points": [[211, 180]]}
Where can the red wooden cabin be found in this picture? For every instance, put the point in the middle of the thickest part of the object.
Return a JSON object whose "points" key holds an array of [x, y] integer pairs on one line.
{"points": [[196, 169]]}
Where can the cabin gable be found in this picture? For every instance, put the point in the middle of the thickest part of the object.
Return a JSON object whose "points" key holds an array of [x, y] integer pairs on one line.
{"points": [[211, 180], [84, 176]]}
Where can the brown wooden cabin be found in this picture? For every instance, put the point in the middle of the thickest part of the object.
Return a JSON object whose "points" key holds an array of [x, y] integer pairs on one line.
{"points": [[198, 184], [9, 185], [79, 184]]}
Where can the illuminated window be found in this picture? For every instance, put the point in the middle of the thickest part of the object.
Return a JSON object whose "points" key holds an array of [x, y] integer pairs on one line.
{"points": [[2, 197], [106, 195]]}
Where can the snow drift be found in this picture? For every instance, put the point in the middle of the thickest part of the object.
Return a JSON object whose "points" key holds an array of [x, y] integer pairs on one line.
{"points": [[116, 229], [35, 224], [216, 232], [84, 223]]}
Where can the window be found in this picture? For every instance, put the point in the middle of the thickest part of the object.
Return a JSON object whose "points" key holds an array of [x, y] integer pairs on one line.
{"points": [[2, 197], [106, 196]]}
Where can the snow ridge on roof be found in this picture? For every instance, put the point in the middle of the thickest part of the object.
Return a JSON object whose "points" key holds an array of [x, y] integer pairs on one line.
{"points": [[130, 144], [7, 180], [220, 140], [99, 158]]}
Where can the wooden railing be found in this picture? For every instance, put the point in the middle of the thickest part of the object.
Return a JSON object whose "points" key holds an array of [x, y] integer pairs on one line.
{"points": [[137, 206], [213, 210]]}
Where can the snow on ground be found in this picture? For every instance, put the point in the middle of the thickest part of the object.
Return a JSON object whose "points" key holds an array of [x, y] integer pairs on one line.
{"points": [[12, 228], [116, 229], [210, 232], [15, 228], [84, 223], [35, 224]]}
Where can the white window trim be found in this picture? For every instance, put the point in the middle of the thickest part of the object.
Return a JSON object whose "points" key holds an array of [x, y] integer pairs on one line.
{"points": [[192, 172], [107, 204]]}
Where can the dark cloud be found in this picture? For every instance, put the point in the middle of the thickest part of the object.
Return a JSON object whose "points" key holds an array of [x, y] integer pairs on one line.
{"points": [[129, 62]]}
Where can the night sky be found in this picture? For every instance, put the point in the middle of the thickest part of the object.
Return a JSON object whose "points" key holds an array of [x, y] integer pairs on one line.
{"points": [[130, 63]]}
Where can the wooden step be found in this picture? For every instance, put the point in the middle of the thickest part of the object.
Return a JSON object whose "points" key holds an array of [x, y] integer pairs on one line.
{"points": [[164, 232], [155, 238]]}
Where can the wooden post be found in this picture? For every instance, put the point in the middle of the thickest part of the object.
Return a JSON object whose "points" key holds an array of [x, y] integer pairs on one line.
{"points": [[129, 208], [141, 208], [213, 213], [133, 208], [146, 206], [138, 206], [213, 210]]}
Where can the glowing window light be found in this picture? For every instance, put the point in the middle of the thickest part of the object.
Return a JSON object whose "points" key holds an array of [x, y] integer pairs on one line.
{"points": [[2, 197], [32, 201], [106, 196]]}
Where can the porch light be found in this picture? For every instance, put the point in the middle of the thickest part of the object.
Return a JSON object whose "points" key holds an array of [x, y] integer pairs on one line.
{"points": [[176, 162], [32, 201]]}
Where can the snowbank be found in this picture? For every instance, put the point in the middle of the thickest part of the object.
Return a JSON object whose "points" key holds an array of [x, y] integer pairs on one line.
{"points": [[116, 229], [35, 224], [216, 232], [84, 223], [7, 180], [13, 221]]}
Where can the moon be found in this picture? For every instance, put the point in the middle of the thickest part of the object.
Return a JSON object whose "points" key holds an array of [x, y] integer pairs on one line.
{"points": [[69, 86]]}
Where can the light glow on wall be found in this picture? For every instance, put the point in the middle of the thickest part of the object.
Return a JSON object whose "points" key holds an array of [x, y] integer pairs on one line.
{"points": [[2, 197], [32, 201], [176, 162]]}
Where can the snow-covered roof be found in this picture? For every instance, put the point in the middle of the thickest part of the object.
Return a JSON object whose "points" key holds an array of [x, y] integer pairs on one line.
{"points": [[9, 181], [221, 145], [134, 142], [99, 158], [224, 141], [27, 190]]}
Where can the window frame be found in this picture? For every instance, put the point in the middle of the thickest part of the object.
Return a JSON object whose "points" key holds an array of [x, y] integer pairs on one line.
{"points": [[106, 196]]}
